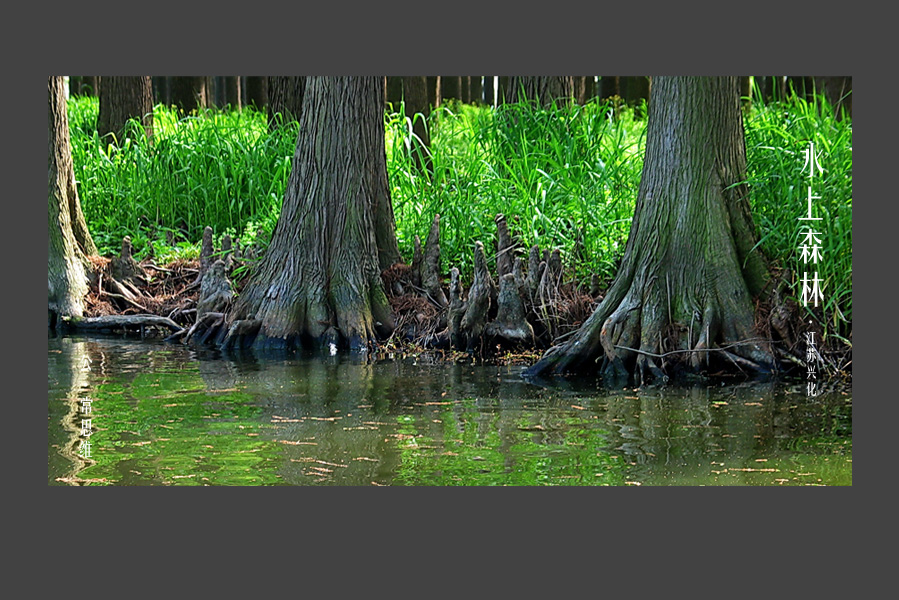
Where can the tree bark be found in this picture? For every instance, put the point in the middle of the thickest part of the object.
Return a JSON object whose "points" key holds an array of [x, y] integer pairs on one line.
{"points": [[503, 91], [393, 91], [257, 92], [489, 93], [580, 90], [691, 266], [609, 86], [434, 95], [450, 87], [414, 93], [86, 85], [319, 281], [838, 91], [162, 90], [124, 98], [635, 90], [543, 90], [70, 243], [190, 93], [285, 98], [477, 89], [232, 92]]}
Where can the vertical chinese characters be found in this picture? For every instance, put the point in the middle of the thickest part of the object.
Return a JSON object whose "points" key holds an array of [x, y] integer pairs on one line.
{"points": [[810, 254]]}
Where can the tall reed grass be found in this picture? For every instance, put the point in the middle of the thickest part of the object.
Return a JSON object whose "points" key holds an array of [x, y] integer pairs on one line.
{"points": [[222, 169], [559, 175], [777, 136]]}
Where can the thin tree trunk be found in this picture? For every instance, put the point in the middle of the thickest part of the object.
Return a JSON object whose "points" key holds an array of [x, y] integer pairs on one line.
{"points": [[489, 90], [434, 95], [477, 89], [415, 95], [503, 88]]}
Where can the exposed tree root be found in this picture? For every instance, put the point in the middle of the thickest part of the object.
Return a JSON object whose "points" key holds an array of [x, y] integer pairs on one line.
{"points": [[617, 339]]}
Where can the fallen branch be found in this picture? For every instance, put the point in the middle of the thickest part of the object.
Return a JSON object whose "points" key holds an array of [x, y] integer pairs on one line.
{"points": [[120, 322]]}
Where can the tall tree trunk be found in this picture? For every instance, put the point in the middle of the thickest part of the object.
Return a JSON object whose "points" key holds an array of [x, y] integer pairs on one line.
{"points": [[503, 91], [190, 93], [162, 90], [70, 242], [580, 90], [691, 267], [83, 86], [635, 90], [609, 86], [124, 98], [216, 86], [543, 90], [450, 87], [257, 92], [489, 93], [772, 88], [746, 91], [415, 96], [477, 89], [393, 91], [285, 98], [320, 279], [434, 95], [232, 92], [837, 90]]}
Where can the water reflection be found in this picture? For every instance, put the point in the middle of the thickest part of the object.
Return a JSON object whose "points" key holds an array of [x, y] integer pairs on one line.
{"points": [[167, 415]]}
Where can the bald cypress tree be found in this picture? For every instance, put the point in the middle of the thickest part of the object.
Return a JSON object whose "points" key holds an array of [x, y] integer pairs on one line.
{"points": [[70, 242], [691, 268], [320, 280]]}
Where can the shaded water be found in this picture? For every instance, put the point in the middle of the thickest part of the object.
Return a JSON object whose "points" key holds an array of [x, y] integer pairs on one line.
{"points": [[163, 414]]}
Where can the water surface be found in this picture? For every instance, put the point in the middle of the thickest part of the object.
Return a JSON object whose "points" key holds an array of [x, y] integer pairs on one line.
{"points": [[163, 414]]}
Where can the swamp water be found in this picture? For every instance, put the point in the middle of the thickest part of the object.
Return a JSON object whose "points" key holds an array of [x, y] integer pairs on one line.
{"points": [[163, 414]]}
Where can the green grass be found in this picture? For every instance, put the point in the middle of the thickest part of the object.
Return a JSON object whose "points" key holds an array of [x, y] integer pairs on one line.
{"points": [[553, 172], [777, 135], [222, 169]]}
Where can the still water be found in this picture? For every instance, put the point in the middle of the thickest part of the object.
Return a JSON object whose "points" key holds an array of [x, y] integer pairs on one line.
{"points": [[163, 414]]}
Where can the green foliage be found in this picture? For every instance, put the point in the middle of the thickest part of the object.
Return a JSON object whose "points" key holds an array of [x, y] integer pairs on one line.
{"points": [[777, 136], [550, 171], [559, 174], [219, 168]]}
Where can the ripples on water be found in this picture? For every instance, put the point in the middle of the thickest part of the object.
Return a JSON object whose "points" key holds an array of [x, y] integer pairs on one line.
{"points": [[163, 414]]}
